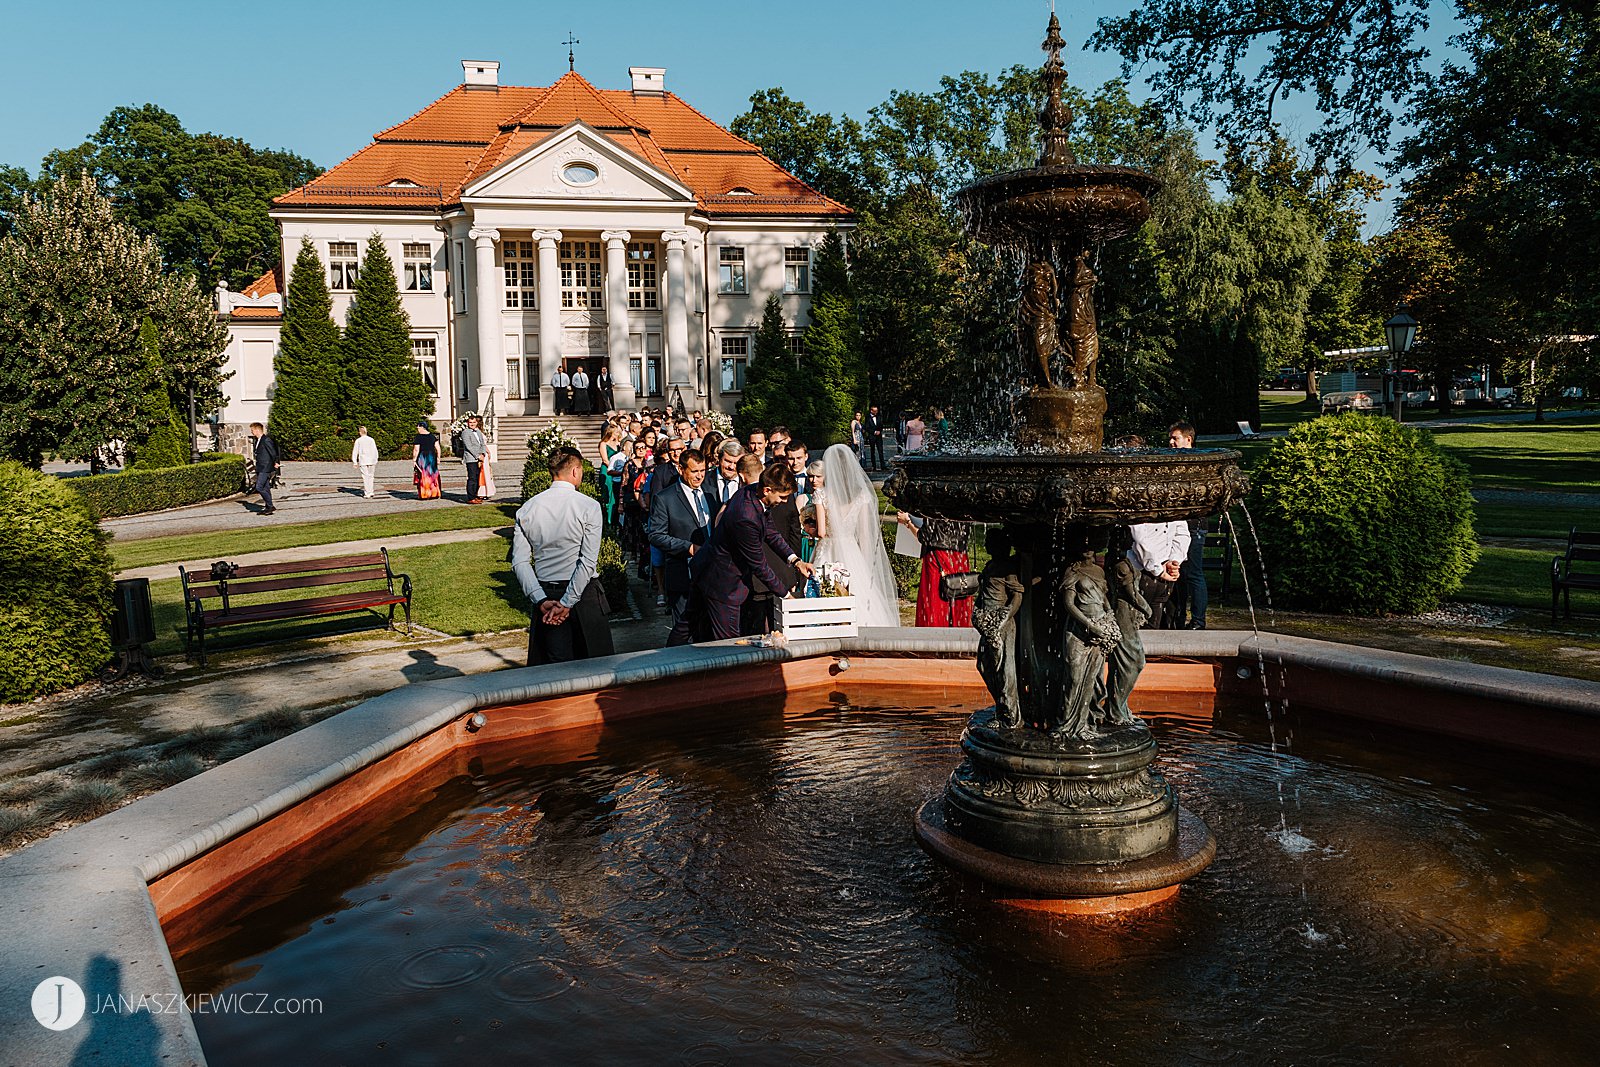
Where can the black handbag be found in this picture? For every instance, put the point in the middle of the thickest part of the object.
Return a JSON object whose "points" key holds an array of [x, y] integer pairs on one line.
{"points": [[958, 586]]}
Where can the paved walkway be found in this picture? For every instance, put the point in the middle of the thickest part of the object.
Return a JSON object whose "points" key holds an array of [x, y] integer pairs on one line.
{"points": [[312, 492]]}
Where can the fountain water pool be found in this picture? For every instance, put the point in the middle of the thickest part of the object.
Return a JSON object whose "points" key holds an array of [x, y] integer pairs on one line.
{"points": [[740, 887]]}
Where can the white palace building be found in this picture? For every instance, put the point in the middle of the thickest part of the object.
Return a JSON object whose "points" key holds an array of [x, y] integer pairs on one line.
{"points": [[541, 227]]}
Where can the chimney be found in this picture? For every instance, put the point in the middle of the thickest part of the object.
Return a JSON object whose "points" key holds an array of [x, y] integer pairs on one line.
{"points": [[480, 72], [649, 79]]}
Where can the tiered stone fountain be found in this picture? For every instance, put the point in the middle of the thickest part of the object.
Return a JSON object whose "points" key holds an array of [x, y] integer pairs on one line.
{"points": [[1056, 804]]}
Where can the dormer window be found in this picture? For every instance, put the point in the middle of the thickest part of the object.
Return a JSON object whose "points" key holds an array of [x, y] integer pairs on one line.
{"points": [[739, 190], [404, 183], [580, 173]]}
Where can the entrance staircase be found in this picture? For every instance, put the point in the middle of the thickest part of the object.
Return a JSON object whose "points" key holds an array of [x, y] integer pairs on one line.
{"points": [[513, 432]]}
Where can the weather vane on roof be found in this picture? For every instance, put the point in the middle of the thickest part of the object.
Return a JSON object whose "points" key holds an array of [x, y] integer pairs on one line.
{"points": [[572, 63]]}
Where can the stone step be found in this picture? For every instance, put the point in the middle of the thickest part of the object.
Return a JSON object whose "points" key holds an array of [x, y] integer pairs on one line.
{"points": [[514, 431]]}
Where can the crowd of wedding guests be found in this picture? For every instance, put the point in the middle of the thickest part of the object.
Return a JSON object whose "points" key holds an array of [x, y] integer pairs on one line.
{"points": [[724, 531]]}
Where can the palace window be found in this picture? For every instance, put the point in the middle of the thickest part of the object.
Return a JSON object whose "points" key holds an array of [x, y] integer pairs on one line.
{"points": [[642, 287], [342, 266], [730, 270], [797, 270], [425, 354], [521, 283], [581, 275], [735, 358], [418, 267]]}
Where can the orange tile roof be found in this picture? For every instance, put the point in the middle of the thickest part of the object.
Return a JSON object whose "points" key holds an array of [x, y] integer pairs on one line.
{"points": [[471, 130], [268, 314], [266, 285]]}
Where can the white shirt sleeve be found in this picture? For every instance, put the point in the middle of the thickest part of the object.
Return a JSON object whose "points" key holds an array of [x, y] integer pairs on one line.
{"points": [[588, 553], [522, 563]]}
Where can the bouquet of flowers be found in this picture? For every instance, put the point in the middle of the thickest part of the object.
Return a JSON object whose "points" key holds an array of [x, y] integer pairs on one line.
{"points": [[460, 424], [547, 440], [829, 580], [721, 422]]}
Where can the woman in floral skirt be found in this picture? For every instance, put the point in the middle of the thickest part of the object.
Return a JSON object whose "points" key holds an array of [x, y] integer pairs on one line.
{"points": [[425, 455]]}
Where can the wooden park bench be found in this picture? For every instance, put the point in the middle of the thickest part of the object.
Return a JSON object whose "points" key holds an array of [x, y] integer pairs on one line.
{"points": [[1584, 549], [227, 584]]}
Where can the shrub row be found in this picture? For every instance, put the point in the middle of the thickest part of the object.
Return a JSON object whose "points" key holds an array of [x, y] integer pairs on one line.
{"points": [[55, 586], [133, 492], [536, 479]]}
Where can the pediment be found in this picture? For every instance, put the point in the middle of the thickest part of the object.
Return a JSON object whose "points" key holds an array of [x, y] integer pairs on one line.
{"points": [[552, 170]]}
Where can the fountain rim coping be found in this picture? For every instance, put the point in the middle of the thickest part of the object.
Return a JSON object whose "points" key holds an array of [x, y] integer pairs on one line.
{"points": [[81, 895]]}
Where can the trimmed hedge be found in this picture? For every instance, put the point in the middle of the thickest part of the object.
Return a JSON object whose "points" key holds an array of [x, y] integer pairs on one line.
{"points": [[133, 492], [55, 586], [612, 571], [1360, 515]]}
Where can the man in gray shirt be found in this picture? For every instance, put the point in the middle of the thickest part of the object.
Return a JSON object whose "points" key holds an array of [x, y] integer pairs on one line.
{"points": [[473, 447], [555, 551]]}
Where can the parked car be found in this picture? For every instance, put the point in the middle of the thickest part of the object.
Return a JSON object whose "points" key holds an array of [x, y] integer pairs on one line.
{"points": [[1286, 378]]}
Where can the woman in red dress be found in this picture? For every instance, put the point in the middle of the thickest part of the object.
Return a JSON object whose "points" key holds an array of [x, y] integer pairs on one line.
{"points": [[944, 551]]}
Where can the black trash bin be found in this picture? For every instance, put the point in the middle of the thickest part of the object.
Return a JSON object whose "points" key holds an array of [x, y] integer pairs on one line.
{"points": [[133, 627]]}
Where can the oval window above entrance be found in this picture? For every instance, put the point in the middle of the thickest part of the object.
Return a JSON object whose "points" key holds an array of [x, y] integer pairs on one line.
{"points": [[580, 174]]}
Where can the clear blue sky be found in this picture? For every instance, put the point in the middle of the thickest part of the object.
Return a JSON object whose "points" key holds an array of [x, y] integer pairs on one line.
{"points": [[319, 78]]}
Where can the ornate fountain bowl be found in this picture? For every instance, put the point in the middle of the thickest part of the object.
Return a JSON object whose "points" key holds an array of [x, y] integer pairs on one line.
{"points": [[1089, 203], [1097, 488]]}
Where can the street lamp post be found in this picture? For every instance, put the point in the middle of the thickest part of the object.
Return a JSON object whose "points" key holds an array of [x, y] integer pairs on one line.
{"points": [[1402, 334]]}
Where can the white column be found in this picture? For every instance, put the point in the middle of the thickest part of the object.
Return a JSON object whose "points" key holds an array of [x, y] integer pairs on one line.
{"points": [[549, 315], [677, 339], [617, 314], [487, 302]]}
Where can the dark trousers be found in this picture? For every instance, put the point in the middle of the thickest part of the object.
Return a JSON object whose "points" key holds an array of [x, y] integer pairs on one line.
{"points": [[1156, 593], [584, 634], [1191, 597], [472, 479], [560, 401], [875, 450], [680, 634], [264, 487]]}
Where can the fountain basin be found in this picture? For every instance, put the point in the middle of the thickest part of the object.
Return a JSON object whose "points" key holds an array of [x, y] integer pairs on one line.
{"points": [[1054, 200], [90, 903], [1098, 488]]}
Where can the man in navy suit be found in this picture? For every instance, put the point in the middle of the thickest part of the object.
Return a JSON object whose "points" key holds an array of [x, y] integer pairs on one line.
{"points": [[724, 573], [679, 525]]}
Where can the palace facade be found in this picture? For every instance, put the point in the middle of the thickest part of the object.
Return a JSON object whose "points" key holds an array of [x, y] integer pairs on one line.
{"points": [[537, 228]]}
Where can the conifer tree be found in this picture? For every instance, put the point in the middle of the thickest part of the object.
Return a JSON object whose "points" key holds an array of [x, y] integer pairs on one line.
{"points": [[771, 393], [166, 442], [308, 381], [830, 385], [829, 271], [382, 388]]}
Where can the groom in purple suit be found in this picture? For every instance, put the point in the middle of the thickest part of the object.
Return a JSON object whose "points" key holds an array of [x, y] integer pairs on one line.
{"points": [[724, 571]]}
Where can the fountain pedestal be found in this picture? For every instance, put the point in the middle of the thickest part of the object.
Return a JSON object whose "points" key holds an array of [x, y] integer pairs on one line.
{"points": [[1056, 803], [1061, 420]]}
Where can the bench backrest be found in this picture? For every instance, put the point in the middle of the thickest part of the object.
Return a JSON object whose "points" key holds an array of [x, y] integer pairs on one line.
{"points": [[296, 574], [1583, 547], [1245, 430]]}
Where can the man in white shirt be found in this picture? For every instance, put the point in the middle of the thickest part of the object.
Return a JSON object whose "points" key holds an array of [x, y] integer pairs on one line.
{"points": [[555, 552], [580, 391], [364, 457], [1159, 549], [561, 385]]}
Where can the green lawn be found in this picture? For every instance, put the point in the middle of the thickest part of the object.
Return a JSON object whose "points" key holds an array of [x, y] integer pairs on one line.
{"points": [[1533, 520], [1559, 456], [465, 587], [1281, 411], [150, 551], [1513, 577]]}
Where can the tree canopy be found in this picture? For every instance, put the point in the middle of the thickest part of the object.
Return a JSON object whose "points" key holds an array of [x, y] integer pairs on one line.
{"points": [[203, 196], [75, 285], [382, 388]]}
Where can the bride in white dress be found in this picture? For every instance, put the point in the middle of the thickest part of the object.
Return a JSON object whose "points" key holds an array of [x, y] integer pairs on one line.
{"points": [[851, 536]]}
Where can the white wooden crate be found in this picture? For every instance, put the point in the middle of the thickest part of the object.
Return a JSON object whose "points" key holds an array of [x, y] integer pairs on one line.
{"points": [[818, 617]]}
